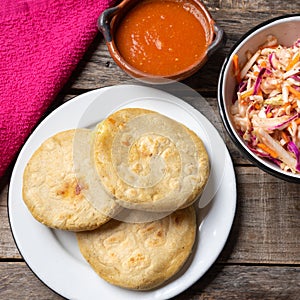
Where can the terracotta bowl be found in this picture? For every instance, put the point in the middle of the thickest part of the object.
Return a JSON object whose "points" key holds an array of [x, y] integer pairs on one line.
{"points": [[286, 30], [108, 24]]}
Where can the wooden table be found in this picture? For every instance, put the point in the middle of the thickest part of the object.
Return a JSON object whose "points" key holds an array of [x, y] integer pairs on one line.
{"points": [[261, 259]]}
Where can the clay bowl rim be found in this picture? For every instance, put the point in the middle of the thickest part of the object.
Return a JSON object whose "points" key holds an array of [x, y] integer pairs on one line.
{"points": [[108, 22]]}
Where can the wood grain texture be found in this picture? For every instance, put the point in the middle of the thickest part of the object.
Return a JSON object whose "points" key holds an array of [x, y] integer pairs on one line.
{"points": [[261, 259], [220, 282], [266, 228], [7, 244], [18, 282], [244, 283], [276, 6], [235, 17]]}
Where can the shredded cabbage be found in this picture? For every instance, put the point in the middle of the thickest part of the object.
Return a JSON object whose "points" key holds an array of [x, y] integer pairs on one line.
{"points": [[293, 148], [266, 107]]}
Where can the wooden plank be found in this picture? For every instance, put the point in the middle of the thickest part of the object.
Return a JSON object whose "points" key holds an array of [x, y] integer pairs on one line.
{"points": [[220, 282], [253, 6], [7, 244], [245, 282], [18, 282], [98, 61], [266, 228]]}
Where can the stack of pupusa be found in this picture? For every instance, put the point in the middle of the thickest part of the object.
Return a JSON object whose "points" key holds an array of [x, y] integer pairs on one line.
{"points": [[145, 162]]}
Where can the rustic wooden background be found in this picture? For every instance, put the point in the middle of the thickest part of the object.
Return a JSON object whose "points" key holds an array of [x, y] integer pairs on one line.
{"points": [[261, 259]]}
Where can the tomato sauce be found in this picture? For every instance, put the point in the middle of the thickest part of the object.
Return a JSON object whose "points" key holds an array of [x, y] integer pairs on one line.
{"points": [[162, 37]]}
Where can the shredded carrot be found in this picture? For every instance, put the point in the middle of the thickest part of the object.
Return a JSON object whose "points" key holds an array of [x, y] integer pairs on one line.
{"points": [[294, 92], [267, 150], [257, 106], [293, 61], [236, 67], [297, 121], [285, 136], [268, 111], [266, 46], [259, 92], [263, 64], [295, 104], [247, 93]]}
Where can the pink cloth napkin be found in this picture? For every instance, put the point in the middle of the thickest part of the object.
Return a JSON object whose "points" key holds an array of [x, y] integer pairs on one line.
{"points": [[41, 41]]}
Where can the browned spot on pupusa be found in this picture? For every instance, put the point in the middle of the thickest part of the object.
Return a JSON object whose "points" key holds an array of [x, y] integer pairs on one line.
{"points": [[178, 219], [77, 189], [139, 257], [111, 120], [70, 189]]}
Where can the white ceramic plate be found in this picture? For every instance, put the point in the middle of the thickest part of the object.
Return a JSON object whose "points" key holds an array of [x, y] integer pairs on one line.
{"points": [[53, 255]]}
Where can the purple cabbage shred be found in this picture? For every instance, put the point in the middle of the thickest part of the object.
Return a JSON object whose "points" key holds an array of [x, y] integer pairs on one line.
{"points": [[293, 148]]}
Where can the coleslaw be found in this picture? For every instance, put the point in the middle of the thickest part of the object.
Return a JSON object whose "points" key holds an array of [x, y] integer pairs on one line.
{"points": [[266, 107]]}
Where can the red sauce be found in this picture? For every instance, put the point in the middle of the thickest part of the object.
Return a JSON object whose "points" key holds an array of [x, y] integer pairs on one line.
{"points": [[162, 37]]}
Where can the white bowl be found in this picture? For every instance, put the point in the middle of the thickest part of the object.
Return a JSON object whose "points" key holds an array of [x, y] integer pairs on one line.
{"points": [[287, 31]]}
